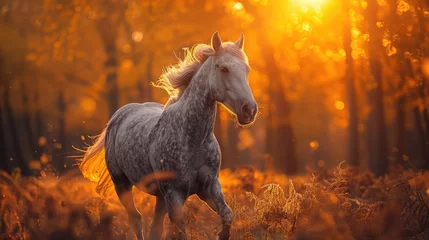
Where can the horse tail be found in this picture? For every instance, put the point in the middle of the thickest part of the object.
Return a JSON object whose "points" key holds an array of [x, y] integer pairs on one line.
{"points": [[93, 165]]}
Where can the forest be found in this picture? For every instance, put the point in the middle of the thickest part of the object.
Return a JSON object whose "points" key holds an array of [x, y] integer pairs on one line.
{"points": [[339, 149]]}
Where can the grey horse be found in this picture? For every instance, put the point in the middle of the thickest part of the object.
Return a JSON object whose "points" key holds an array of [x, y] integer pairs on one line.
{"points": [[150, 140]]}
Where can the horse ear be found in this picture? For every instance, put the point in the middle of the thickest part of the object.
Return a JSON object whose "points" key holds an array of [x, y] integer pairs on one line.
{"points": [[240, 42], [216, 41]]}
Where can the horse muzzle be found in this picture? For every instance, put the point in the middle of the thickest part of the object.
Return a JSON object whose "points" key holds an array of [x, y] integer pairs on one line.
{"points": [[247, 113]]}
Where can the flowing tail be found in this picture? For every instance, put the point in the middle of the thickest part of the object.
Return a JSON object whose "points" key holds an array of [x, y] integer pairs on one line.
{"points": [[93, 165]]}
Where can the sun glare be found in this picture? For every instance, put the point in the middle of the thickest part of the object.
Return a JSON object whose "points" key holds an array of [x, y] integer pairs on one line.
{"points": [[238, 6], [339, 105], [312, 3]]}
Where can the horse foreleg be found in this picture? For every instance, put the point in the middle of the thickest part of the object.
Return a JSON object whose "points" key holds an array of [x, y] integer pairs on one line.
{"points": [[174, 203], [125, 195], [214, 197], [157, 225]]}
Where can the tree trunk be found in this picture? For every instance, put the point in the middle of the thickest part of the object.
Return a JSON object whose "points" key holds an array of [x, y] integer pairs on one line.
{"points": [[400, 141], [141, 90], [143, 86], [424, 113], [400, 130], [423, 78], [61, 141], [39, 125], [149, 77], [280, 136], [111, 66], [269, 138], [404, 70], [353, 135], [16, 143], [287, 149], [421, 134], [280, 145], [4, 162], [27, 122], [108, 27], [420, 125], [376, 128]]}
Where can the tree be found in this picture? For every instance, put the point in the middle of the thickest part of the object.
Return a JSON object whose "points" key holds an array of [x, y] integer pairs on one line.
{"points": [[279, 128], [62, 139], [31, 139], [403, 65], [280, 142], [353, 135], [376, 127], [12, 58], [4, 161], [404, 47]]}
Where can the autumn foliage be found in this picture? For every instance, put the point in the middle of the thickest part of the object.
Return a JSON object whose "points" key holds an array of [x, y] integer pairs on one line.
{"points": [[323, 205]]}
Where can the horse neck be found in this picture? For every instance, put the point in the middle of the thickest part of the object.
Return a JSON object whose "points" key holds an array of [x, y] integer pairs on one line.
{"points": [[198, 105]]}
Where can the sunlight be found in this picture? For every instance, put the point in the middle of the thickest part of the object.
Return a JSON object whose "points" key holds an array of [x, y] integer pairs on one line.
{"points": [[313, 3], [425, 67], [42, 141], [238, 6], [306, 27], [314, 145], [339, 105], [88, 105], [137, 36]]}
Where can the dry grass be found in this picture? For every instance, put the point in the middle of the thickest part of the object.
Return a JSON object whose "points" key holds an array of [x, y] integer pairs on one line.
{"points": [[336, 204]]}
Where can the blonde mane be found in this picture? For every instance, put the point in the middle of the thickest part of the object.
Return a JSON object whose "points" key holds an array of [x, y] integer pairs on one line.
{"points": [[176, 78]]}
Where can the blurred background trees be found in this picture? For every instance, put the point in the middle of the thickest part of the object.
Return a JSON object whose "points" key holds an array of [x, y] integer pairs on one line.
{"points": [[336, 80]]}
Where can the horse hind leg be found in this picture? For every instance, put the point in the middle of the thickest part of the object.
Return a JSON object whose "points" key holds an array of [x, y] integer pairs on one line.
{"points": [[123, 189]]}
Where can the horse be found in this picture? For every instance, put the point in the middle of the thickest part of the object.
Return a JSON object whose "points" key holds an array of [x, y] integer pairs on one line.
{"points": [[149, 138]]}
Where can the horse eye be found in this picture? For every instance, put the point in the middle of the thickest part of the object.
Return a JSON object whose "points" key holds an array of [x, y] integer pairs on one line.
{"points": [[224, 70]]}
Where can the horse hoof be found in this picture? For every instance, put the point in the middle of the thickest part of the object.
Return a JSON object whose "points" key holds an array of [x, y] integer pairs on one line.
{"points": [[223, 236], [175, 237]]}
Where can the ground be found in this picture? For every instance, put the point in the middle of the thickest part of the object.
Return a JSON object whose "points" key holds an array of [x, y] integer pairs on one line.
{"points": [[325, 204]]}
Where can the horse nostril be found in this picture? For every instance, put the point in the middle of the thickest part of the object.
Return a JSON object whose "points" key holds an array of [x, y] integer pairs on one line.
{"points": [[246, 109], [252, 111]]}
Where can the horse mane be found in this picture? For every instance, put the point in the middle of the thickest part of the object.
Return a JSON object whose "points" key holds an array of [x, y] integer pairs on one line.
{"points": [[175, 78]]}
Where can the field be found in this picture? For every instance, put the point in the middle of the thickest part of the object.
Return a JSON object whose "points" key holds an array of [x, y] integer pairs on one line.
{"points": [[326, 204]]}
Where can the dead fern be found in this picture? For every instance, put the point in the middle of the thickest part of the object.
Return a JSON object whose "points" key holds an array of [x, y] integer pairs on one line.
{"points": [[413, 204], [340, 206], [339, 183], [276, 212]]}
